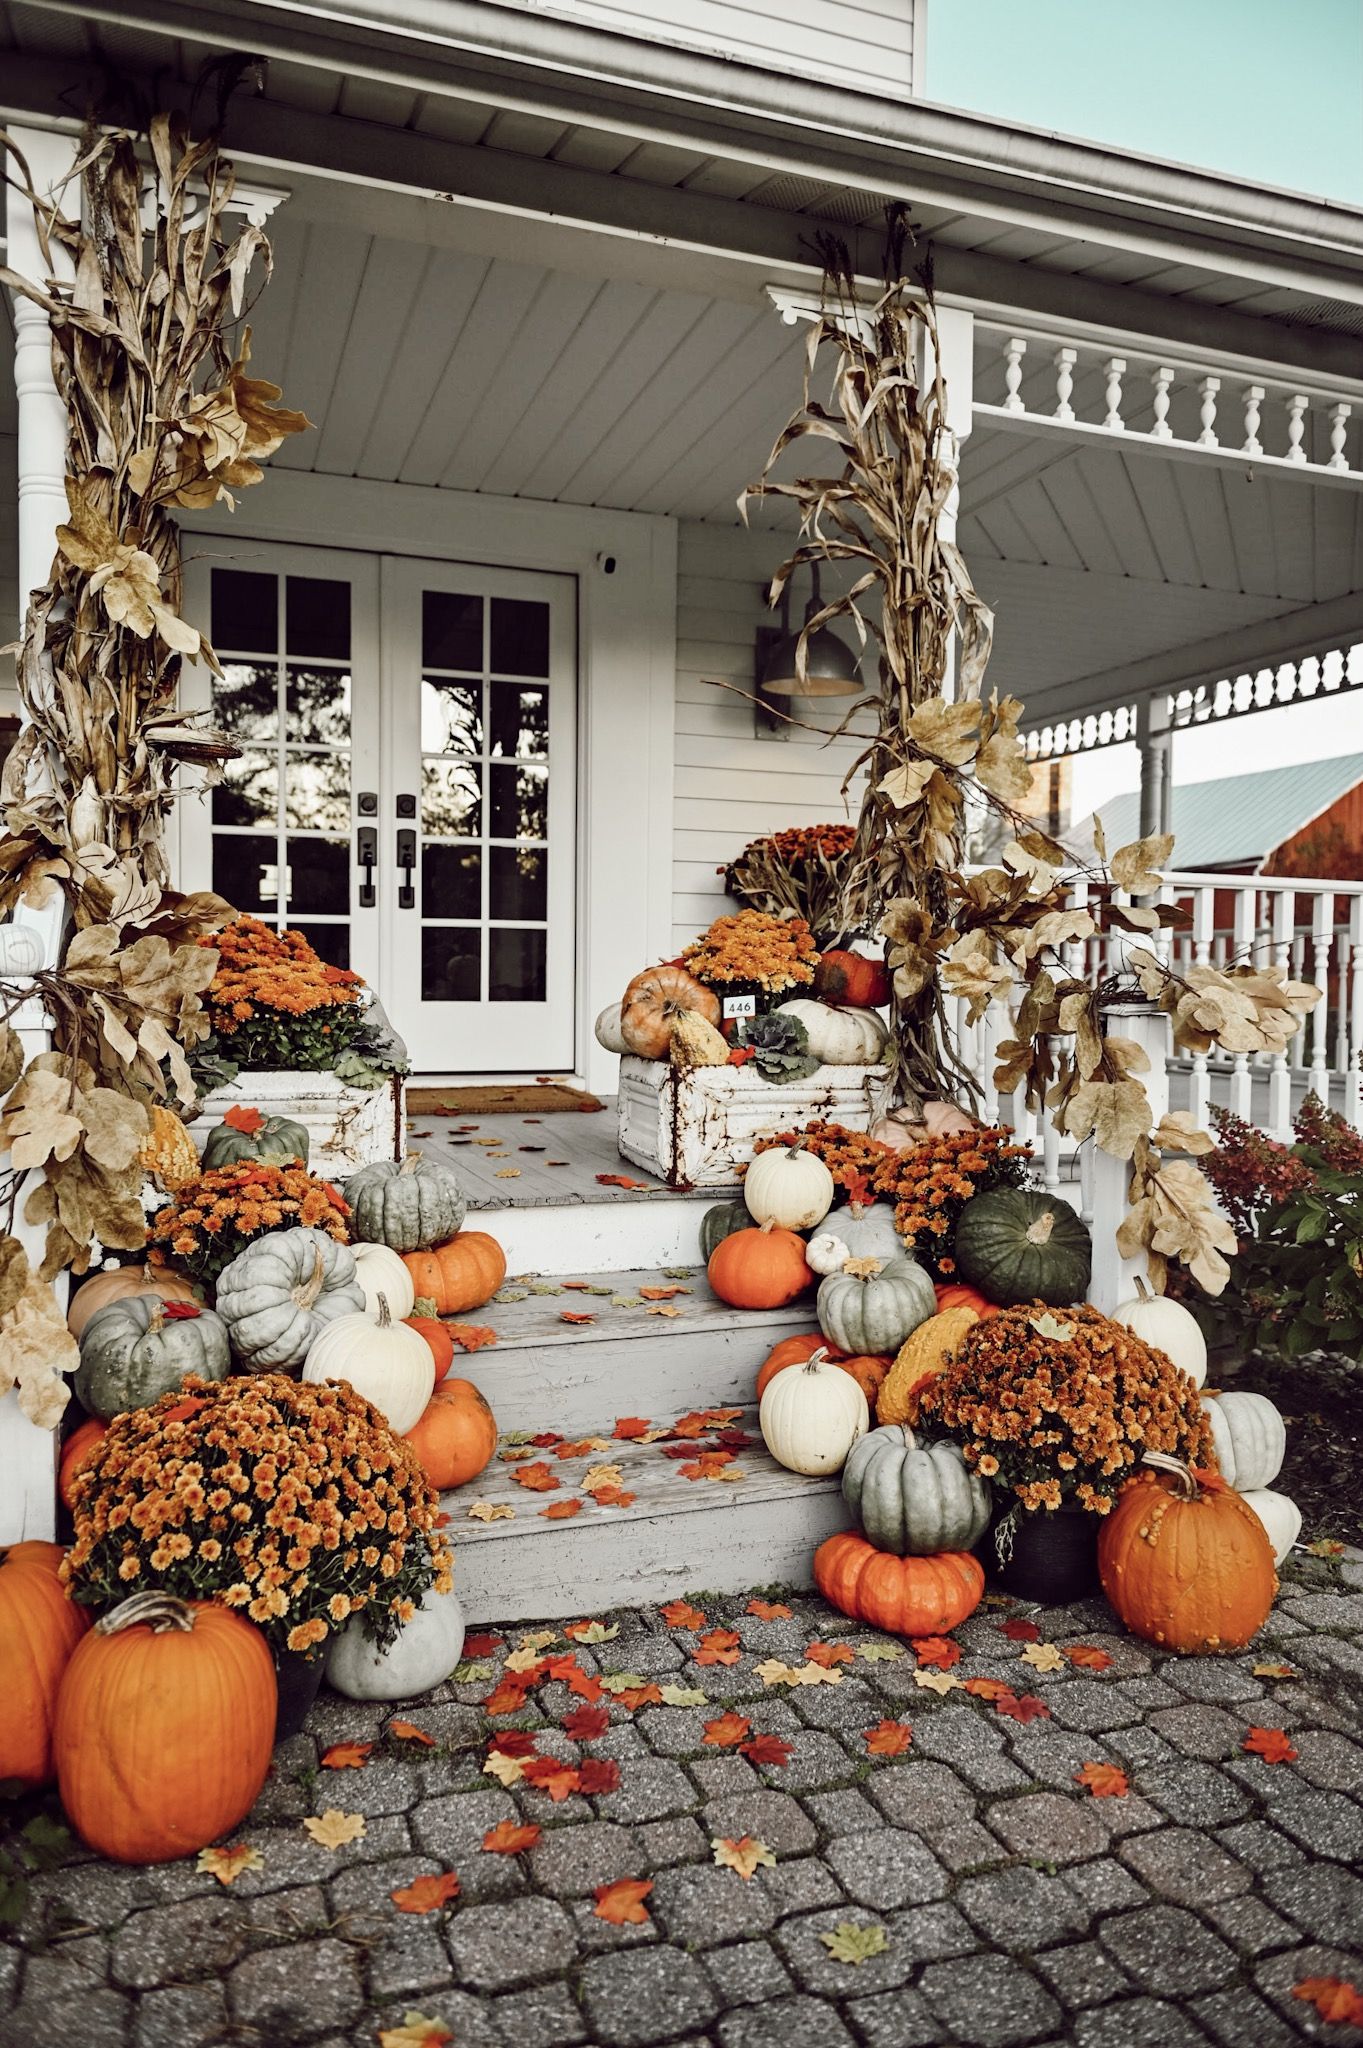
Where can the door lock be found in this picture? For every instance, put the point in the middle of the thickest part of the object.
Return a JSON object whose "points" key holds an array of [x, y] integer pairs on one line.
{"points": [[406, 868], [367, 854]]}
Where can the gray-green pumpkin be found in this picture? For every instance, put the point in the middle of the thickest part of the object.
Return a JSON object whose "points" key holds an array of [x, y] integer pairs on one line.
{"points": [[276, 1142], [914, 1498], [411, 1206], [720, 1222], [139, 1348], [872, 1305], [1017, 1244], [280, 1292]]}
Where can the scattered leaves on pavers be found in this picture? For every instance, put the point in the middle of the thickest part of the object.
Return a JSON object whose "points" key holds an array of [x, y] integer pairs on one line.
{"points": [[1022, 1631], [550, 1774], [586, 1685], [507, 1770], [333, 1829], [537, 1639], [1025, 1707], [768, 1610], [850, 1943], [426, 1894], [718, 1646], [938, 1651], [509, 1698], [592, 1631], [681, 1614], [889, 1738], [482, 1645], [1043, 1657], [771, 1751], [471, 1336], [512, 1742], [684, 1696], [407, 1731], [1104, 1781], [418, 2030], [622, 1903], [597, 1775], [227, 1864], [621, 1180], [492, 1511], [346, 1756], [536, 1478], [510, 1837], [471, 1672], [1272, 1744], [561, 1511], [628, 1428], [880, 1653], [633, 1697], [829, 1654], [521, 1661], [746, 1855], [1087, 1656], [727, 1731], [940, 1682], [1338, 2002], [586, 1724], [1274, 1671]]}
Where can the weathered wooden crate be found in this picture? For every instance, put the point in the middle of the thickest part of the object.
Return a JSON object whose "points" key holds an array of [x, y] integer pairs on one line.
{"points": [[347, 1127], [695, 1129]]}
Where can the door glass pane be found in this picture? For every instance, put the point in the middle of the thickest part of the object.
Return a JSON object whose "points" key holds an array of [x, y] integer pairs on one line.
{"points": [[519, 803], [330, 941], [520, 637], [249, 791], [451, 717], [318, 702], [519, 882], [319, 875], [244, 609], [451, 630], [451, 963], [246, 871], [317, 617], [451, 799], [317, 792], [516, 964], [451, 881], [520, 722], [245, 700]]}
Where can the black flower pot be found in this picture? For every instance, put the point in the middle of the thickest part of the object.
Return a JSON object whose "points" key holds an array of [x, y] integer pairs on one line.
{"points": [[1045, 1554], [299, 1679]]}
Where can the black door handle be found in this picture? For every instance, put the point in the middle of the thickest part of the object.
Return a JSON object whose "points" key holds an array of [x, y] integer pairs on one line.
{"points": [[367, 854], [406, 866]]}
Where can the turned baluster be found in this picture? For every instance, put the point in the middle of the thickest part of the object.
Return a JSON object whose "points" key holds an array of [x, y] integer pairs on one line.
{"points": [[1209, 388], [1280, 1075], [1161, 379], [1116, 370], [1353, 1077], [1296, 426], [1339, 425], [1254, 398], [1065, 360], [1014, 350]]}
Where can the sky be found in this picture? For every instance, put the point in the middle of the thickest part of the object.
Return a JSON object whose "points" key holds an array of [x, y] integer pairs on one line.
{"points": [[1267, 89]]}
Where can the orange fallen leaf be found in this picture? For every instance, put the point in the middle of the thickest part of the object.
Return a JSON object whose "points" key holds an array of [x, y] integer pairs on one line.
{"points": [[622, 1903], [407, 1731], [826, 1655], [1339, 2003], [579, 1631], [630, 1427], [745, 1855], [661, 1308], [470, 1336], [550, 1774], [561, 1510], [769, 1610], [569, 1315], [346, 1756], [989, 1688], [509, 1838], [635, 1696], [1272, 1744], [1087, 1656], [509, 1698], [726, 1732], [1026, 1707], [718, 1646], [581, 1448], [575, 1286], [426, 1894], [537, 1478], [240, 1118], [227, 1864], [681, 1614], [613, 1497], [709, 1465], [620, 1180], [586, 1685], [770, 1750], [889, 1738], [661, 1293], [938, 1651], [1104, 1781], [697, 1423]]}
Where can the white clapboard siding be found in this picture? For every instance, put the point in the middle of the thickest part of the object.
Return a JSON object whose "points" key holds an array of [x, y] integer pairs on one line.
{"points": [[730, 784], [867, 43]]}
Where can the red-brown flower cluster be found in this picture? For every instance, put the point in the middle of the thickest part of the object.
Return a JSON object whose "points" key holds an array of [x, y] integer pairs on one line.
{"points": [[1249, 1170], [808, 842], [214, 1217], [930, 1186]]}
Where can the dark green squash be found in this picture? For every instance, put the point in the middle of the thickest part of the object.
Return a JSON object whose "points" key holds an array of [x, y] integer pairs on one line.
{"points": [[1016, 1244], [276, 1142], [139, 1348], [721, 1222]]}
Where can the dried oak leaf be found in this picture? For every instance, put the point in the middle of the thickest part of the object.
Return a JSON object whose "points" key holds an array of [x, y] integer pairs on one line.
{"points": [[727, 1731], [1338, 2002], [746, 1855], [1104, 1781], [426, 1894], [718, 1646], [681, 1614], [36, 1348], [510, 1838], [851, 1942], [586, 1724], [227, 1864], [622, 1903], [418, 2030], [1087, 1656], [333, 1829], [1272, 1744], [889, 1738], [768, 1610], [346, 1756], [938, 1651]]}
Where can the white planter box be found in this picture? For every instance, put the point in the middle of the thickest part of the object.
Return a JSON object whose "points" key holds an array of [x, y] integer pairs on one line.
{"points": [[695, 1129], [347, 1127]]}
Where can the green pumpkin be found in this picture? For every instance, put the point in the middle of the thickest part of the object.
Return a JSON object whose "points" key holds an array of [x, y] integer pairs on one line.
{"points": [[721, 1222], [1016, 1244], [872, 1310], [278, 1294], [133, 1351], [912, 1498], [411, 1206], [275, 1143]]}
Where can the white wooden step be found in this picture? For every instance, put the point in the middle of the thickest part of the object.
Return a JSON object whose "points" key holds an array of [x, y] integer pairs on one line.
{"points": [[677, 1536], [545, 1373], [661, 1229]]}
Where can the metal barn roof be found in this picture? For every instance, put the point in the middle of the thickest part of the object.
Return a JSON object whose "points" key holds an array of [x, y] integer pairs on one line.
{"points": [[1241, 818]]}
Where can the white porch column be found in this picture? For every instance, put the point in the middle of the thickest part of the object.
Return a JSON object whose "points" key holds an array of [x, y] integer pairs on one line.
{"points": [[1114, 1278], [1154, 739], [28, 1456]]}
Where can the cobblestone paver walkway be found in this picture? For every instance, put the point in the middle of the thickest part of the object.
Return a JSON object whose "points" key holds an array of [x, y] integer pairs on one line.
{"points": [[1016, 1907]]}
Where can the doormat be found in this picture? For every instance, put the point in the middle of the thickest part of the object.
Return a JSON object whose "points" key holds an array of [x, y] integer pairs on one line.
{"points": [[515, 1099]]}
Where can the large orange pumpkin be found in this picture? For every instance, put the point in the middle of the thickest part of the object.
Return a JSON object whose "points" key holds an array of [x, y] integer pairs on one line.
{"points": [[1185, 1561], [75, 1451], [102, 1288], [460, 1275], [653, 1003], [39, 1629], [438, 1338], [165, 1726], [763, 1268], [957, 1295], [852, 981], [456, 1436], [911, 1596]]}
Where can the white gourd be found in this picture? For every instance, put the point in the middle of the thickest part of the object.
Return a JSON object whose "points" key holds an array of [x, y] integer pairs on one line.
{"points": [[1168, 1327], [426, 1651], [789, 1188], [808, 1421], [826, 1254], [381, 1273], [388, 1362], [1249, 1437], [1280, 1516], [608, 1032], [839, 1038]]}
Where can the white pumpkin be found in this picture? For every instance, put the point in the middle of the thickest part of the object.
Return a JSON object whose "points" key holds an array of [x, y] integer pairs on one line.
{"points": [[789, 1188], [1249, 1437], [424, 1654], [826, 1253], [1280, 1516], [608, 1032], [381, 1272], [808, 1421], [388, 1362], [839, 1038], [1169, 1327]]}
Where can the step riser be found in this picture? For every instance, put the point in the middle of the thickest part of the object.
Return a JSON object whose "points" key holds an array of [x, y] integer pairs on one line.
{"points": [[579, 1389], [591, 1237]]}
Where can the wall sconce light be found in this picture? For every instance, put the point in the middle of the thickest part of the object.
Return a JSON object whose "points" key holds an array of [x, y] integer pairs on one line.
{"points": [[832, 669]]}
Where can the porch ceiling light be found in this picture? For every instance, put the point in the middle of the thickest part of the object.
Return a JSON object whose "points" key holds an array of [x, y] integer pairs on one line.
{"points": [[832, 669]]}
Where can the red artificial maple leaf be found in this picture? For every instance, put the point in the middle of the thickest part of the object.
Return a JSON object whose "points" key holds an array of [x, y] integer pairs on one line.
{"points": [[707, 1466], [685, 1450], [622, 1903], [598, 1774], [346, 1756], [621, 1180], [586, 1685], [509, 1697], [239, 1118], [561, 1511], [718, 1646], [426, 1894], [889, 1738], [989, 1688], [512, 1742], [1022, 1631], [681, 1614], [546, 1439], [579, 1449], [770, 1750], [1025, 1707], [568, 1315], [613, 1497], [482, 1645], [636, 1696], [726, 1732], [586, 1724], [536, 1478], [1087, 1656], [697, 1423], [734, 1440], [180, 1311], [768, 1610], [826, 1655], [1272, 1744], [1104, 1781], [550, 1774], [938, 1651], [1338, 2002], [509, 1839], [628, 1427]]}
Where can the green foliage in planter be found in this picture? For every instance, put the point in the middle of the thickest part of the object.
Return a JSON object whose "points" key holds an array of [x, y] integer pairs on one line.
{"points": [[780, 1048]]}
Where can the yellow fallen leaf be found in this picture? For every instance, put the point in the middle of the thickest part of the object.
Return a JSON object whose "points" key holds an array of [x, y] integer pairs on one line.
{"points": [[661, 1308], [491, 1511], [522, 1660], [816, 1674], [507, 1770], [1274, 1671], [851, 1943], [620, 1681], [333, 1829], [684, 1696], [773, 1672], [1043, 1657], [592, 1632], [601, 1475], [941, 1682], [507, 1173], [540, 1639], [418, 2030], [227, 1864], [745, 1855]]}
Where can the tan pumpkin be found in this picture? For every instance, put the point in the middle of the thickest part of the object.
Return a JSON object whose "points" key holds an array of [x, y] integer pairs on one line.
{"points": [[924, 1353], [905, 1129], [654, 1001], [124, 1281], [169, 1155]]}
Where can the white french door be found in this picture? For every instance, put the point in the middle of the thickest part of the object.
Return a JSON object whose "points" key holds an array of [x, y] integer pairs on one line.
{"points": [[406, 788]]}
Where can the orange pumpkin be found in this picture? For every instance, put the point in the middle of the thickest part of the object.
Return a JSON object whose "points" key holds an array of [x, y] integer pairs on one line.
{"points": [[460, 1275], [102, 1288], [39, 1629], [652, 1004], [74, 1453], [439, 1340], [959, 1296], [165, 1726], [456, 1435], [852, 981], [763, 1268], [911, 1596], [1185, 1561]]}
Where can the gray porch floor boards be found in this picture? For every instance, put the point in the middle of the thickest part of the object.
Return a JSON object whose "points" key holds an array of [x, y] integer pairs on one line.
{"points": [[584, 1138]]}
